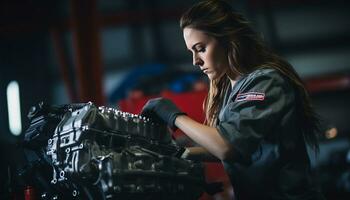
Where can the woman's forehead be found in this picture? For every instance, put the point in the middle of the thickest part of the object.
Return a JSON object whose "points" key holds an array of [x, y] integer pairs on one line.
{"points": [[193, 36]]}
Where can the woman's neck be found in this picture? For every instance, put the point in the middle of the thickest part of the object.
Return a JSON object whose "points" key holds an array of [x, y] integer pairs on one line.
{"points": [[233, 77], [233, 81]]}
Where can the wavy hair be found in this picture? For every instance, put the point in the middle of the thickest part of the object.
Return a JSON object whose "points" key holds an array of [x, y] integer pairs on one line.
{"points": [[246, 53]]}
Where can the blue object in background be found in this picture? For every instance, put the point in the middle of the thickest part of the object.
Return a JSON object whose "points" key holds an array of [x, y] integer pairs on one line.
{"points": [[153, 79], [184, 83], [132, 79]]}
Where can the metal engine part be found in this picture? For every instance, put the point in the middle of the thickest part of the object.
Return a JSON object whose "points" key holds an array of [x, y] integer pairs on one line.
{"points": [[104, 153]]}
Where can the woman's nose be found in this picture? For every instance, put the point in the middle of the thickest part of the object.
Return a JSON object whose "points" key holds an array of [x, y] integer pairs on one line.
{"points": [[197, 61]]}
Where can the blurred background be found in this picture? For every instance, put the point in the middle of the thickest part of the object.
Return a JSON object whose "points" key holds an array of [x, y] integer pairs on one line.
{"points": [[120, 53]]}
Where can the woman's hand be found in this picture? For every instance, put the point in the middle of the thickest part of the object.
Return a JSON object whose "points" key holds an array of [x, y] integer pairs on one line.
{"points": [[206, 136], [162, 108]]}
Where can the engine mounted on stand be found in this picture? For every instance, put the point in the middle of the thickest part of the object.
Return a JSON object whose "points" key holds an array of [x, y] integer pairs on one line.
{"points": [[90, 152]]}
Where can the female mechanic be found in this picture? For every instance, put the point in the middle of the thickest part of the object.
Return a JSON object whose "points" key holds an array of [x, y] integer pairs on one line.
{"points": [[259, 120]]}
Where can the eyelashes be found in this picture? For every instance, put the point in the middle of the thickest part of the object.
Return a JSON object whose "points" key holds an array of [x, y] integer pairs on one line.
{"points": [[197, 50], [201, 50]]}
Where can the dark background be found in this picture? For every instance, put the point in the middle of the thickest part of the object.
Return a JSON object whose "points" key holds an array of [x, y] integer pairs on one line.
{"points": [[103, 50]]}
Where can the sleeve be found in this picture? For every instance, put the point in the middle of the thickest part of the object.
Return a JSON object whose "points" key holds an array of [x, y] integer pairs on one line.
{"points": [[253, 113]]}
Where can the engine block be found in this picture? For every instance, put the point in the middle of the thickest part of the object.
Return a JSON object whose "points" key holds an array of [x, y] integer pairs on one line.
{"points": [[104, 153]]}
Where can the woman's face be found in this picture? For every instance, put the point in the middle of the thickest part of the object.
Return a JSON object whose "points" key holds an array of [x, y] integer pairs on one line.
{"points": [[207, 53]]}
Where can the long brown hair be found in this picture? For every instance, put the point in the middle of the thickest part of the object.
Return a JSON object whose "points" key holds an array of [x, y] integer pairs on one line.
{"points": [[246, 53]]}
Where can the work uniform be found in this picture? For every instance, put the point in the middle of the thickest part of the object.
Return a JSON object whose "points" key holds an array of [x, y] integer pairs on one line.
{"points": [[259, 117]]}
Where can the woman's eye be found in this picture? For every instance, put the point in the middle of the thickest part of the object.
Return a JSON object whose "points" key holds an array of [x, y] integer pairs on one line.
{"points": [[201, 49]]}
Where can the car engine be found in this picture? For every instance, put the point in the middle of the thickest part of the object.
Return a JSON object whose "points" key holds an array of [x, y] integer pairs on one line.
{"points": [[82, 151]]}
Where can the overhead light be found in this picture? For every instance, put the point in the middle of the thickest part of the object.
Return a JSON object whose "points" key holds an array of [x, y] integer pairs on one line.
{"points": [[14, 108]]}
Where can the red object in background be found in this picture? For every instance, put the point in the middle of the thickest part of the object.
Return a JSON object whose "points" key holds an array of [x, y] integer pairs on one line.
{"points": [[192, 104], [329, 83], [29, 193]]}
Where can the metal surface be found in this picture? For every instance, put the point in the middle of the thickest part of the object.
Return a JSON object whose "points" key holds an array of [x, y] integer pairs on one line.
{"points": [[103, 153]]}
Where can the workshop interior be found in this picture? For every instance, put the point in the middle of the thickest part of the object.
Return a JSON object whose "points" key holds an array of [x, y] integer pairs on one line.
{"points": [[75, 74]]}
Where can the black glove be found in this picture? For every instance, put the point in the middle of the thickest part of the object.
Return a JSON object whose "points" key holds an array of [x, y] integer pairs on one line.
{"points": [[162, 108]]}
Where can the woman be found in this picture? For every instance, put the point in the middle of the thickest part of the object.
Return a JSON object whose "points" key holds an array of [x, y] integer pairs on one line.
{"points": [[258, 114]]}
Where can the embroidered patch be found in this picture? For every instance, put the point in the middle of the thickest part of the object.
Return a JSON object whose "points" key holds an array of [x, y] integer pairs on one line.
{"points": [[250, 96]]}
